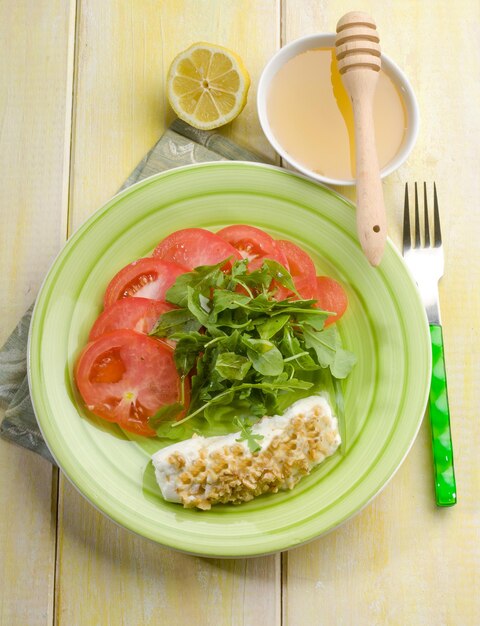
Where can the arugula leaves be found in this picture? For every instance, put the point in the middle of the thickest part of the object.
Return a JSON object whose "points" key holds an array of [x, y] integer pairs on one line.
{"points": [[247, 435], [269, 328], [242, 347], [200, 280], [266, 358], [178, 320], [232, 366], [167, 412]]}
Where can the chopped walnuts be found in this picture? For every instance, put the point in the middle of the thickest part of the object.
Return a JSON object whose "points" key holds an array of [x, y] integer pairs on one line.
{"points": [[232, 474]]}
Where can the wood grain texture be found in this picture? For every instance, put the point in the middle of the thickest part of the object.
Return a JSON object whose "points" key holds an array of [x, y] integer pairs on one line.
{"points": [[123, 55], [402, 560], [360, 72], [106, 575], [36, 72]]}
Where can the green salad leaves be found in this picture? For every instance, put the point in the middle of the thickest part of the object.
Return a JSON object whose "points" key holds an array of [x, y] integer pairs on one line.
{"points": [[244, 350]]}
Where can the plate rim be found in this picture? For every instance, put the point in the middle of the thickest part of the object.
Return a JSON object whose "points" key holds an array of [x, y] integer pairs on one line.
{"points": [[231, 553]]}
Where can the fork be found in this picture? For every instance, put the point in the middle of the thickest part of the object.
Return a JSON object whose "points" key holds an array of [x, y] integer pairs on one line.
{"points": [[426, 264]]}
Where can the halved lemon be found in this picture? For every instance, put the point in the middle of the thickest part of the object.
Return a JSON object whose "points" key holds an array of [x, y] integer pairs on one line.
{"points": [[207, 85]]}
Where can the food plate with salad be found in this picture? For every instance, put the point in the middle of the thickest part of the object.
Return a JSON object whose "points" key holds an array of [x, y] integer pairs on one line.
{"points": [[215, 365]]}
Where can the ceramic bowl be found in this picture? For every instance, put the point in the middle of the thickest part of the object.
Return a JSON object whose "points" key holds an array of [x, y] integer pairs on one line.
{"points": [[327, 40]]}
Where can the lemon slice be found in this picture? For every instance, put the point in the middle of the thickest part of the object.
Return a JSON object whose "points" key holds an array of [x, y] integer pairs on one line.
{"points": [[207, 85]]}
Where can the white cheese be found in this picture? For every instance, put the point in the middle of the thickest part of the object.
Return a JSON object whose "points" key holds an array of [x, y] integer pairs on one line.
{"points": [[188, 472]]}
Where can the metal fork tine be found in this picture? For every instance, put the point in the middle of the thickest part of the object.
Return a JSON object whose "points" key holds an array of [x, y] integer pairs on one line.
{"points": [[417, 220], [425, 209], [437, 233], [407, 240], [427, 264]]}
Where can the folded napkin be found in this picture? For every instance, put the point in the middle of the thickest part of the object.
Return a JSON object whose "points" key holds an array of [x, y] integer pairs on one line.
{"points": [[180, 145]]}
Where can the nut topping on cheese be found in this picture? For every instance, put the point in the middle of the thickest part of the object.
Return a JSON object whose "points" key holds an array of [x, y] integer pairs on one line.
{"points": [[203, 471]]}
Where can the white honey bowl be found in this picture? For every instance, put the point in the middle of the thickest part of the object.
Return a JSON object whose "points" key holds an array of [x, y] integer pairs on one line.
{"points": [[327, 40]]}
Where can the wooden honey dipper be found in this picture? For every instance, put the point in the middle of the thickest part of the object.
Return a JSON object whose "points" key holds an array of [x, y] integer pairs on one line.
{"points": [[359, 62]]}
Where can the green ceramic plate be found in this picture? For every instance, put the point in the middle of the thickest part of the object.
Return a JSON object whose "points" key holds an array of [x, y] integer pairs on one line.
{"points": [[385, 326]]}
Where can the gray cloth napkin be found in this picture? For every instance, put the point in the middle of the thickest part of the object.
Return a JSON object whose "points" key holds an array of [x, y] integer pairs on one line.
{"points": [[180, 145]]}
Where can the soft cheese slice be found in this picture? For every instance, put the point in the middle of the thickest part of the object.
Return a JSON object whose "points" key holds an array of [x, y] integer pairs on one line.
{"points": [[203, 471]]}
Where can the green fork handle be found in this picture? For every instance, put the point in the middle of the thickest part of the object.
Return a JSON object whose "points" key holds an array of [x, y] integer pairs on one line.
{"points": [[445, 488]]}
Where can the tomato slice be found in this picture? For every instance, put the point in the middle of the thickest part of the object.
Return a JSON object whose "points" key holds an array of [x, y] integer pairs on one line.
{"points": [[146, 278], [253, 244], [302, 270], [126, 377], [193, 247], [331, 296], [140, 314]]}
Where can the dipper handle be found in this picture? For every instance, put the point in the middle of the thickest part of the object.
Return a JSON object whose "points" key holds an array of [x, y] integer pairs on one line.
{"points": [[359, 62]]}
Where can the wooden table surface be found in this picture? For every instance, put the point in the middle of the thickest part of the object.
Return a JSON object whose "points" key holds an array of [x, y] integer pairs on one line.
{"points": [[82, 99]]}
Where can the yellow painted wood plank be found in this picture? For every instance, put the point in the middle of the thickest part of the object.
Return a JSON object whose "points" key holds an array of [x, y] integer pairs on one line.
{"points": [[403, 561], [36, 55], [106, 574], [124, 52]]}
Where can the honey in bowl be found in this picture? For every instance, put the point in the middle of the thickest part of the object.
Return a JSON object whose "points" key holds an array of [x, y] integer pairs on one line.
{"points": [[311, 115]]}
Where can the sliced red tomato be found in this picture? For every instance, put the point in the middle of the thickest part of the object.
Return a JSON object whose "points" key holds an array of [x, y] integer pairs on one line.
{"points": [[331, 296], [253, 244], [140, 314], [126, 377], [146, 278], [302, 270], [192, 247]]}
